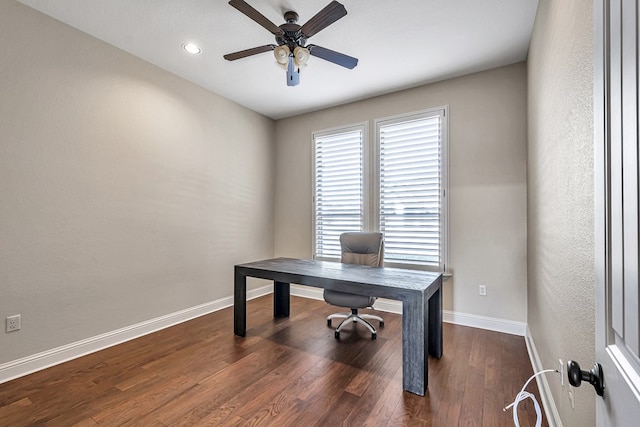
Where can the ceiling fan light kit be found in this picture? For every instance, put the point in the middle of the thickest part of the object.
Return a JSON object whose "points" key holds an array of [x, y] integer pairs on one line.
{"points": [[291, 39], [291, 61], [301, 56], [282, 54]]}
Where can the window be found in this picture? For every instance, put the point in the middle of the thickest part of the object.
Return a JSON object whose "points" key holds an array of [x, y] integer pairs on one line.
{"points": [[411, 188], [339, 190], [395, 183]]}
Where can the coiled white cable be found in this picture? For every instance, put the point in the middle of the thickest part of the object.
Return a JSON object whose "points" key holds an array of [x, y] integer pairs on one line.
{"points": [[526, 395]]}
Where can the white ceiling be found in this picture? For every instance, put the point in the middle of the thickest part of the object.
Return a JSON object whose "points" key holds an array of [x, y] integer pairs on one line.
{"points": [[399, 44]]}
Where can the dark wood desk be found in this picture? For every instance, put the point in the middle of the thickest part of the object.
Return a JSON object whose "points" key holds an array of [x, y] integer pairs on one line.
{"points": [[419, 291]]}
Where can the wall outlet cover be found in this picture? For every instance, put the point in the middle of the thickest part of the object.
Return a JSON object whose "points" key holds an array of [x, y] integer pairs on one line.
{"points": [[13, 323]]}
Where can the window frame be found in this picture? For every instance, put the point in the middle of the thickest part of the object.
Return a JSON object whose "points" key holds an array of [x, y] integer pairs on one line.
{"points": [[371, 179], [442, 111]]}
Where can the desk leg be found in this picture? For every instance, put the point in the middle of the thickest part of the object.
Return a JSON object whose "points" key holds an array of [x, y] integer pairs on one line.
{"points": [[415, 316], [239, 303], [281, 292], [435, 324]]}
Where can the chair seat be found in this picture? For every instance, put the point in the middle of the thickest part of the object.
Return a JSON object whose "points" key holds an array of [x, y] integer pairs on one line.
{"points": [[344, 299]]}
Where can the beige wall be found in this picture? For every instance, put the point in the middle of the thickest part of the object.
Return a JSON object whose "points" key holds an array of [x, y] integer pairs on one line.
{"points": [[126, 192], [560, 185], [487, 173]]}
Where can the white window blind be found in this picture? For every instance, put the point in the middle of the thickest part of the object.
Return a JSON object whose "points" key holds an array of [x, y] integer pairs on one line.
{"points": [[338, 193], [410, 183]]}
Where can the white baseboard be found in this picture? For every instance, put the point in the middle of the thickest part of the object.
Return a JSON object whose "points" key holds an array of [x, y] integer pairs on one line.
{"points": [[548, 403], [46, 359], [490, 323], [307, 292], [381, 304]]}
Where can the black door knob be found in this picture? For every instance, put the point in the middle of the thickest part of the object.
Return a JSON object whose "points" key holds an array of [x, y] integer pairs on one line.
{"points": [[593, 377]]}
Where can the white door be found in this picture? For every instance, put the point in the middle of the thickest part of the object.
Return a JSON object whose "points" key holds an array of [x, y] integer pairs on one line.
{"points": [[616, 210]]}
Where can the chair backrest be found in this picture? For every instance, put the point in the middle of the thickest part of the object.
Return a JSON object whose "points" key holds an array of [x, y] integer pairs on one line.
{"points": [[362, 248]]}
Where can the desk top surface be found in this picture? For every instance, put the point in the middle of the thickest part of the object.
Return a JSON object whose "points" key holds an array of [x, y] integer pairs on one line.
{"points": [[380, 276]]}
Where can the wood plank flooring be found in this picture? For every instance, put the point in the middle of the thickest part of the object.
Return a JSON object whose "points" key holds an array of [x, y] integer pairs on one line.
{"points": [[285, 372]]}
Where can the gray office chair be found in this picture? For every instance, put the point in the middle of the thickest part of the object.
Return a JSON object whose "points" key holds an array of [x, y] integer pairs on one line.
{"points": [[363, 249]]}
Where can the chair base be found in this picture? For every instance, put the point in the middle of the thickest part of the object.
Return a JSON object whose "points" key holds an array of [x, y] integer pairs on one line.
{"points": [[354, 317]]}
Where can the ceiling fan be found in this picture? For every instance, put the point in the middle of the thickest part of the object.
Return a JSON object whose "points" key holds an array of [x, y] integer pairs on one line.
{"points": [[291, 38]]}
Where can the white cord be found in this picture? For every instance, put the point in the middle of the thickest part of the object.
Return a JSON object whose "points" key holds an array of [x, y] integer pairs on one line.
{"points": [[526, 395]]}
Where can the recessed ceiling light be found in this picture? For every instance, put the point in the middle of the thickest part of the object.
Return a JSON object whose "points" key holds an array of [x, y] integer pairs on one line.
{"points": [[191, 48]]}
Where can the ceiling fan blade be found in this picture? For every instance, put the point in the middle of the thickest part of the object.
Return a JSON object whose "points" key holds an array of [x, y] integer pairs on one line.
{"points": [[249, 52], [245, 8], [332, 56], [321, 20]]}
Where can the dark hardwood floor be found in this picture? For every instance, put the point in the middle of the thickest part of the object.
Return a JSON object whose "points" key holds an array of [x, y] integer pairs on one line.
{"points": [[285, 372]]}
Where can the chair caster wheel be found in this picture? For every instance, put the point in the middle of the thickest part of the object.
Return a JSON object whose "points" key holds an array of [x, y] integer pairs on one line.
{"points": [[381, 324], [374, 336], [336, 335], [328, 322]]}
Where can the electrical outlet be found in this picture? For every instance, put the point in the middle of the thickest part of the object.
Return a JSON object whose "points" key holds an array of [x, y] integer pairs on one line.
{"points": [[13, 323], [561, 371], [482, 290]]}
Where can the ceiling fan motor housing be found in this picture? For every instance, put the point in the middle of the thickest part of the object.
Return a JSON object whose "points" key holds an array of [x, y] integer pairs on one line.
{"points": [[291, 34]]}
